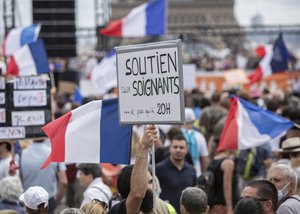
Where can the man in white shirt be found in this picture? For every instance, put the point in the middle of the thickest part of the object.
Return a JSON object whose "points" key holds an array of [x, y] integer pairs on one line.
{"points": [[197, 145], [90, 178]]}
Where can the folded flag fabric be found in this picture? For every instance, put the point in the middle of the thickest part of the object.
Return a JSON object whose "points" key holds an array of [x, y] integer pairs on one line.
{"points": [[274, 59], [31, 59], [148, 19], [17, 37], [104, 75], [248, 125], [89, 134]]}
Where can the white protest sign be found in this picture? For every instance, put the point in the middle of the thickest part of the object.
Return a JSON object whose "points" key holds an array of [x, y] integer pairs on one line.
{"points": [[150, 83], [28, 118], [30, 82], [2, 115], [12, 132], [189, 76], [2, 98], [30, 98]]}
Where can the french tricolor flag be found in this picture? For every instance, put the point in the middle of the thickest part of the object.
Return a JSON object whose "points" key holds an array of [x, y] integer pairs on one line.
{"points": [[248, 125], [148, 19], [31, 59], [89, 134], [274, 59], [17, 37]]}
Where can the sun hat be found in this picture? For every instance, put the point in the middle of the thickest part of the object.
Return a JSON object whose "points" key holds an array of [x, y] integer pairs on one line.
{"points": [[291, 145], [35, 196]]}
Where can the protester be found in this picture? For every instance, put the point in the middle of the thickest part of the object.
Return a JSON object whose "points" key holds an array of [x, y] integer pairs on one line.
{"points": [[53, 178], [223, 193], [174, 173], [10, 191], [291, 148], [6, 159], [285, 180], [90, 178], [263, 191], [211, 115], [197, 145], [193, 200], [95, 207], [135, 182], [248, 206], [35, 200]]}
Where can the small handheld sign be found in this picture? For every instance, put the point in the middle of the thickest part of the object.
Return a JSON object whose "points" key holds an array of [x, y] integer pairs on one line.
{"points": [[150, 83]]}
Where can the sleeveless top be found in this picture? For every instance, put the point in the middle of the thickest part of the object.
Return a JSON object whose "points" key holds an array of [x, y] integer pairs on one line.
{"points": [[218, 198]]}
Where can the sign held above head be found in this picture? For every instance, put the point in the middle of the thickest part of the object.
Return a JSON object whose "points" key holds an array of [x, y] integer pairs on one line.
{"points": [[150, 83]]}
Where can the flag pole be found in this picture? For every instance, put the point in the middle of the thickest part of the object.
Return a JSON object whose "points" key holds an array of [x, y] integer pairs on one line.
{"points": [[153, 176]]}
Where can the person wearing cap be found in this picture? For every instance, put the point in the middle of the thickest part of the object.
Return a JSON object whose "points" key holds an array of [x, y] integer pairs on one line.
{"points": [[6, 159], [35, 200], [53, 178], [291, 147], [197, 145], [285, 180]]}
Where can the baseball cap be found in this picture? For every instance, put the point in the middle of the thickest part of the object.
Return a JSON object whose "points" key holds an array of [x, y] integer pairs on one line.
{"points": [[291, 145], [189, 115], [35, 196]]}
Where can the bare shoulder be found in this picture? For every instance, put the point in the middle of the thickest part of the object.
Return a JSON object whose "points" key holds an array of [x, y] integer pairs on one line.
{"points": [[227, 165]]}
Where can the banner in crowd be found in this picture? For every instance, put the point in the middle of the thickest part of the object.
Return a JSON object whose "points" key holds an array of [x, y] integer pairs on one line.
{"points": [[216, 82], [24, 106], [150, 83]]}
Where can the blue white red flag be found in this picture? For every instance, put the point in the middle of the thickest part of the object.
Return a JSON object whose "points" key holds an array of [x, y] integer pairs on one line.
{"points": [[148, 19], [17, 37], [31, 59], [248, 125], [89, 134], [274, 59]]}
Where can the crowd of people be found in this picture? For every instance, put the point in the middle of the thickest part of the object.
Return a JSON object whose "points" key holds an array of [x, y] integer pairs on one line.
{"points": [[190, 176]]}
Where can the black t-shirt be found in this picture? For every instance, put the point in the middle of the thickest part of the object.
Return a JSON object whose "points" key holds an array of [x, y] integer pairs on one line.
{"points": [[119, 208]]}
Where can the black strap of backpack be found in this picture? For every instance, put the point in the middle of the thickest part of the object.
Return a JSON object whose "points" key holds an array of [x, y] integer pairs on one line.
{"points": [[294, 198]]}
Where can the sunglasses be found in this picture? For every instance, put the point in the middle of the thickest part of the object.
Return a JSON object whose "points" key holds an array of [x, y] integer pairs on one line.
{"points": [[103, 204]]}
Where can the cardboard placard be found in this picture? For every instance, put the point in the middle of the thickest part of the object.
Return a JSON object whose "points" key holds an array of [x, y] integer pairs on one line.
{"points": [[26, 107], [150, 83]]}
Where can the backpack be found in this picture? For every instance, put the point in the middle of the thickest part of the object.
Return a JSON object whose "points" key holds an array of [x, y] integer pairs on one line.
{"points": [[247, 163]]}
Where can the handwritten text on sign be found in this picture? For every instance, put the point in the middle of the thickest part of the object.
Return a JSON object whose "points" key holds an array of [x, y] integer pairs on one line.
{"points": [[12, 132], [150, 83], [2, 115], [27, 82], [28, 118], [30, 98]]}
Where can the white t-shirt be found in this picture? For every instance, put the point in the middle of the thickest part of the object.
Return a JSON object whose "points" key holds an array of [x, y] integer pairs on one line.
{"points": [[202, 149]]}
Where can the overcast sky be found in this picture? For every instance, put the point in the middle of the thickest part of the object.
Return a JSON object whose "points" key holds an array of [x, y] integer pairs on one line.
{"points": [[274, 12]]}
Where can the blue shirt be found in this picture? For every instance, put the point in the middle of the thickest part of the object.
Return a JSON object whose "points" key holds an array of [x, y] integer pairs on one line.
{"points": [[173, 181]]}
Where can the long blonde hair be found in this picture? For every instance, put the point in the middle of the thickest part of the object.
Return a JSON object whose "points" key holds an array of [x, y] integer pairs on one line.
{"points": [[95, 207]]}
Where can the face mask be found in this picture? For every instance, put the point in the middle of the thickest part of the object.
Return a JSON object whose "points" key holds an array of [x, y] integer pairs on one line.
{"points": [[283, 192]]}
